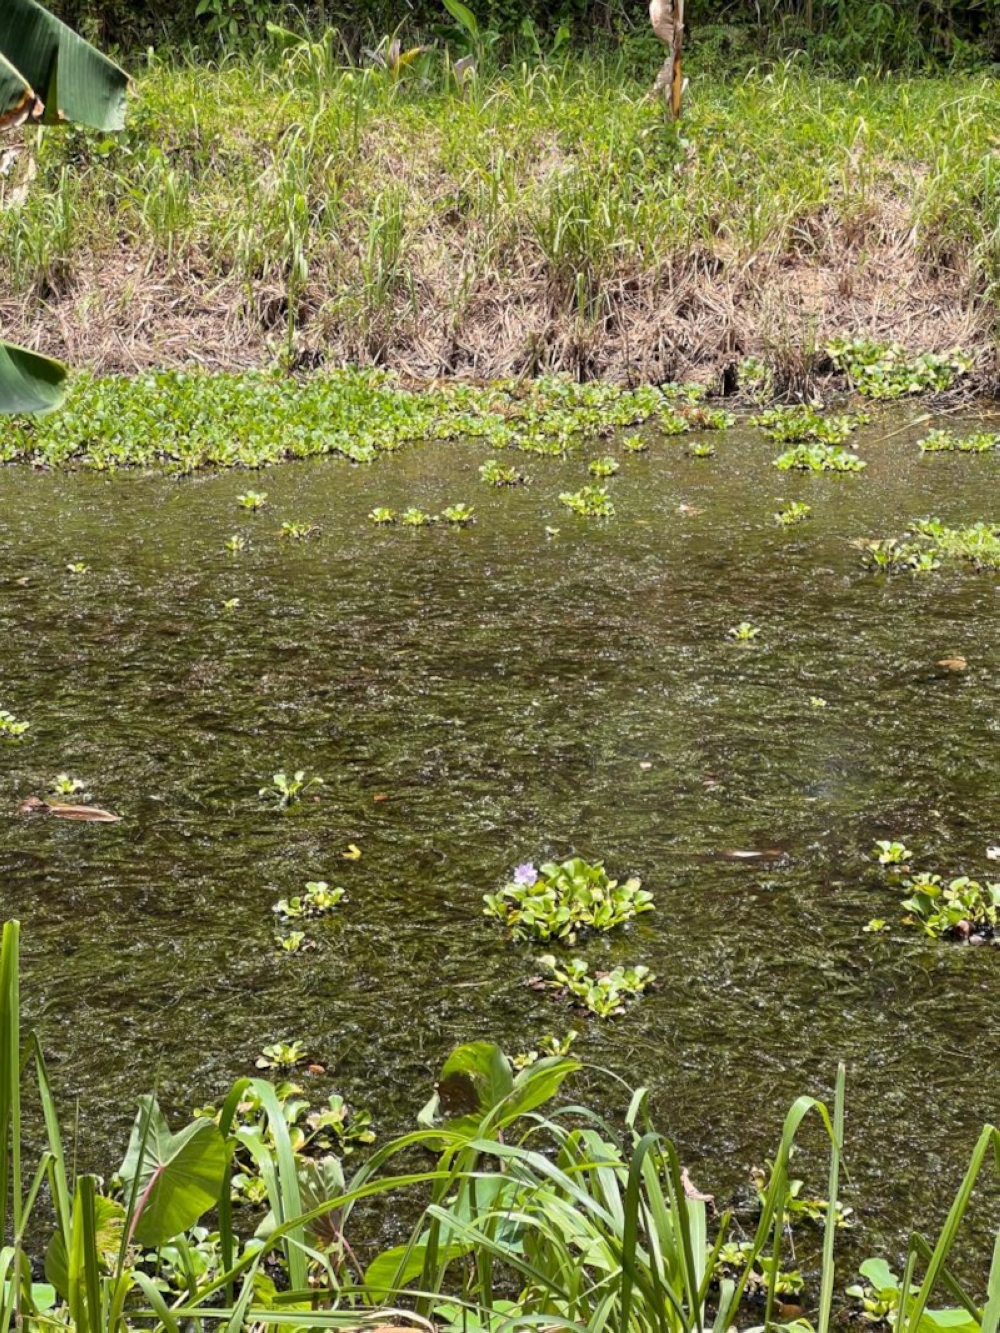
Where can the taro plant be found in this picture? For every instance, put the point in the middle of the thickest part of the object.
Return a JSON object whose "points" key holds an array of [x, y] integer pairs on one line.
{"points": [[795, 511], [560, 901], [318, 899], [289, 790], [603, 467], [383, 517], [589, 501], [10, 728], [495, 473], [603, 993]]}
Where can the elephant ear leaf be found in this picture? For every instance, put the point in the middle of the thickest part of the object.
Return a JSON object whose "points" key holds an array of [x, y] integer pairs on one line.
{"points": [[45, 68], [172, 1178], [29, 382]]}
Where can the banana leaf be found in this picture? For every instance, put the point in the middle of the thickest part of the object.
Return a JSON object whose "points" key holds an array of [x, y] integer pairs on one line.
{"points": [[49, 73]]}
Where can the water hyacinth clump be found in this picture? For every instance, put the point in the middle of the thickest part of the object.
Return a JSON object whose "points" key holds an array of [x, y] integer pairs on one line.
{"points": [[947, 442], [603, 993], [558, 902], [887, 370], [589, 501], [10, 728], [819, 458], [962, 909], [802, 425]]}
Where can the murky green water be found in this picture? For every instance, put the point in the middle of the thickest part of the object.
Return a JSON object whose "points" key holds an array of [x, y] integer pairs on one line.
{"points": [[515, 697]]}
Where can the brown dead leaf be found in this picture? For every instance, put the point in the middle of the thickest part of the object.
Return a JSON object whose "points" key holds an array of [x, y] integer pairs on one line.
{"points": [[85, 813], [691, 1192], [953, 663]]}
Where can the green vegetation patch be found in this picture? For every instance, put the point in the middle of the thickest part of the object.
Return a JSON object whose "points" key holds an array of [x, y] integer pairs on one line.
{"points": [[887, 370], [929, 543], [947, 442], [183, 421]]}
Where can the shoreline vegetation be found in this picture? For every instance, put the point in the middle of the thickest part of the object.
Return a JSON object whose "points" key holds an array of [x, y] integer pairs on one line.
{"points": [[545, 216], [525, 1213]]}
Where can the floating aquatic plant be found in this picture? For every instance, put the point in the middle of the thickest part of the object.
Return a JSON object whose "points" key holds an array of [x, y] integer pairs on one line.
{"points": [[794, 512], [252, 500], [299, 531], [744, 632], [317, 899], [963, 908], [281, 1055], [416, 518], [559, 901], [288, 790], [887, 370], [891, 853], [603, 993], [459, 515], [794, 425], [819, 458], [10, 728], [495, 473], [603, 467], [589, 501], [383, 517], [945, 441]]}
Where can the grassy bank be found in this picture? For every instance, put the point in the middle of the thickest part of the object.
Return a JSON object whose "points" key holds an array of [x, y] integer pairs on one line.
{"points": [[544, 218]]}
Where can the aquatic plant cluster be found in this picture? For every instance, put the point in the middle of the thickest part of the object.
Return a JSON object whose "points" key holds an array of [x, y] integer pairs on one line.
{"points": [[928, 544], [561, 902], [961, 908], [182, 421]]}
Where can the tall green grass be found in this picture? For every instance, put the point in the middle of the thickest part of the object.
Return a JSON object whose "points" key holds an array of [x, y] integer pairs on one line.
{"points": [[408, 218]]}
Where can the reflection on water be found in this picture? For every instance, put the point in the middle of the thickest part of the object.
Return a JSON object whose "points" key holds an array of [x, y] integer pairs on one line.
{"points": [[513, 696]]}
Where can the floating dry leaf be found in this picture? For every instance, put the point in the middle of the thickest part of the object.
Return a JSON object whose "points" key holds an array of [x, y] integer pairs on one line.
{"points": [[92, 813]]}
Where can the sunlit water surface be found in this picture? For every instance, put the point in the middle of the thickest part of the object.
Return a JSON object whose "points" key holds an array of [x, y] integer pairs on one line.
{"points": [[511, 695]]}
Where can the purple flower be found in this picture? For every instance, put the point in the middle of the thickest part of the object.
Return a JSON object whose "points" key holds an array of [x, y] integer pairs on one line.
{"points": [[525, 875]]}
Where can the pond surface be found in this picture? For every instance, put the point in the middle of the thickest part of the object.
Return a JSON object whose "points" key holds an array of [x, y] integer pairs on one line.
{"points": [[478, 698]]}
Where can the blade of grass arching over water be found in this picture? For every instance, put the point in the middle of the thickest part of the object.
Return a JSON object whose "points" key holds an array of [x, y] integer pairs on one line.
{"points": [[59, 1183], [227, 1237], [833, 1189], [991, 1315], [10, 1077], [910, 1318]]}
